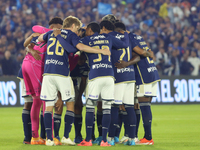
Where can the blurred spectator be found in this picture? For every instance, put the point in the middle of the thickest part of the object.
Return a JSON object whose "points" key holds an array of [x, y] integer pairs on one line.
{"points": [[186, 68], [195, 61], [161, 60], [7, 64], [175, 64]]}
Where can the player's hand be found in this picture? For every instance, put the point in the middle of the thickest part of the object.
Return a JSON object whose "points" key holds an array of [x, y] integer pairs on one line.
{"points": [[35, 34], [128, 31], [106, 52], [34, 53], [59, 104], [151, 54], [56, 31], [121, 64]]}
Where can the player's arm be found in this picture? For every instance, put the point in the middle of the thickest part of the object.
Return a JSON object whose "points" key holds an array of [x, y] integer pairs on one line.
{"points": [[34, 53], [124, 64], [142, 52], [42, 37], [28, 40], [117, 43]]}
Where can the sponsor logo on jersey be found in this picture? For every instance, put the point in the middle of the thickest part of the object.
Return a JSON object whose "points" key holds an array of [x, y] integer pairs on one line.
{"points": [[97, 37], [151, 69], [53, 61], [119, 36], [125, 70], [97, 66]]}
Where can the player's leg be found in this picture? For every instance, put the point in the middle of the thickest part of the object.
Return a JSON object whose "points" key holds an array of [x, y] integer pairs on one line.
{"points": [[42, 127], [99, 116], [107, 94], [57, 121], [118, 96], [49, 95], [145, 107], [128, 101], [92, 95], [137, 113], [67, 95], [78, 116]]}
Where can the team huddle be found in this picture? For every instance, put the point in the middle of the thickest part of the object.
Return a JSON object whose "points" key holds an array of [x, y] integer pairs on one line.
{"points": [[112, 67]]}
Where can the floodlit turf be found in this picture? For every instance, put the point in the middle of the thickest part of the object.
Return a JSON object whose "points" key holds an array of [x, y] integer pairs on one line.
{"points": [[174, 127]]}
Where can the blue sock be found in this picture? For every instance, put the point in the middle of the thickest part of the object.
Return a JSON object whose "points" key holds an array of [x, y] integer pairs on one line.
{"points": [[78, 125], [114, 121], [89, 119], [57, 122], [147, 119], [118, 130], [105, 123], [69, 119], [48, 124], [131, 120], [26, 119], [137, 113], [99, 122], [42, 130], [125, 120], [93, 129]]}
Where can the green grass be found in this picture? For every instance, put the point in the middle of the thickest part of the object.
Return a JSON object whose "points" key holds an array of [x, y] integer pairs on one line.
{"points": [[173, 127]]}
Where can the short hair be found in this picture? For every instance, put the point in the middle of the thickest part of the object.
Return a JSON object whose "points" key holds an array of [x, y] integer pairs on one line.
{"points": [[56, 20], [70, 20], [107, 24], [120, 25], [94, 27], [111, 18]]}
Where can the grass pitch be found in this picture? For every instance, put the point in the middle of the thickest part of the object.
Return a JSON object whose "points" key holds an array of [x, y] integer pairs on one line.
{"points": [[174, 127]]}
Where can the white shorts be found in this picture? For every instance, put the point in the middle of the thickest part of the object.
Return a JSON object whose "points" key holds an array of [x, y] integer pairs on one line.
{"points": [[52, 84], [148, 90], [124, 93], [103, 86], [27, 98]]}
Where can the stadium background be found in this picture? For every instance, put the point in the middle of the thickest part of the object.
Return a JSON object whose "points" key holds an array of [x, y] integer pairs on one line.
{"points": [[171, 28]]}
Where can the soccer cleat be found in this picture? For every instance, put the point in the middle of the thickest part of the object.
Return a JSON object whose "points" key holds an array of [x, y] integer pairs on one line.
{"points": [[85, 143], [67, 141], [57, 141], [97, 140], [50, 143], [104, 144], [78, 139], [130, 142], [111, 141], [124, 139], [42, 141], [144, 141], [26, 142], [116, 139], [136, 140]]}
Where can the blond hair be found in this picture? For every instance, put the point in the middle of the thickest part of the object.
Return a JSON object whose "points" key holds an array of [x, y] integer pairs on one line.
{"points": [[70, 20]]}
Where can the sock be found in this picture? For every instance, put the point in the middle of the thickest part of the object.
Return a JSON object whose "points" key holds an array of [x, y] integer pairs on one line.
{"points": [[105, 123], [48, 124], [99, 122], [78, 125], [69, 119], [118, 130], [131, 119], [42, 131], [35, 111], [89, 123], [93, 129], [147, 119], [114, 121], [26, 119], [137, 113], [125, 120], [57, 122]]}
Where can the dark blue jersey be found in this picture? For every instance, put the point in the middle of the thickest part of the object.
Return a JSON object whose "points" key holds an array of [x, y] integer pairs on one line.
{"points": [[20, 75], [100, 65], [58, 48], [145, 70], [79, 71], [125, 74]]}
